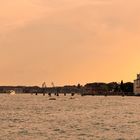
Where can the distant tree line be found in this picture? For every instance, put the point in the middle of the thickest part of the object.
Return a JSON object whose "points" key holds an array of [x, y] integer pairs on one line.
{"points": [[113, 87]]}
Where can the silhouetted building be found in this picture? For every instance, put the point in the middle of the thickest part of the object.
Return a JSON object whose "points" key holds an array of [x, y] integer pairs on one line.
{"points": [[137, 85]]}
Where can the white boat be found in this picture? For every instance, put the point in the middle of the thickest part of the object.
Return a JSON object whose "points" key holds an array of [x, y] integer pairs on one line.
{"points": [[12, 92]]}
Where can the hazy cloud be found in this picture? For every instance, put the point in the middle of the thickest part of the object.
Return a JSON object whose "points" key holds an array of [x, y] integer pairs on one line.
{"points": [[81, 40]]}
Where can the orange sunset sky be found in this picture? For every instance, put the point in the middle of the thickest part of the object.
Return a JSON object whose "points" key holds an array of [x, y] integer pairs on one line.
{"points": [[69, 41]]}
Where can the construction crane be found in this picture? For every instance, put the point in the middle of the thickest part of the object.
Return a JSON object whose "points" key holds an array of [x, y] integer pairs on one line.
{"points": [[44, 88], [53, 85], [56, 92]]}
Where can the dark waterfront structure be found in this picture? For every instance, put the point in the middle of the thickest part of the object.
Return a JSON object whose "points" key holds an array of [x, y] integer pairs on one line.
{"points": [[105, 89]]}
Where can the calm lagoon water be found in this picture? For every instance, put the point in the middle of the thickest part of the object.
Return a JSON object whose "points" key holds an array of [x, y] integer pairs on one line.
{"points": [[30, 117]]}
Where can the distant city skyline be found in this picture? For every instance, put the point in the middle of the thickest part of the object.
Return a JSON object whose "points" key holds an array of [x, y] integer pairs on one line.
{"points": [[69, 41]]}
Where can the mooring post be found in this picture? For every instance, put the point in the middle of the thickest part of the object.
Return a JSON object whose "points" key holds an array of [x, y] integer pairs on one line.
{"points": [[72, 94], [49, 94], [123, 94], [106, 94]]}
